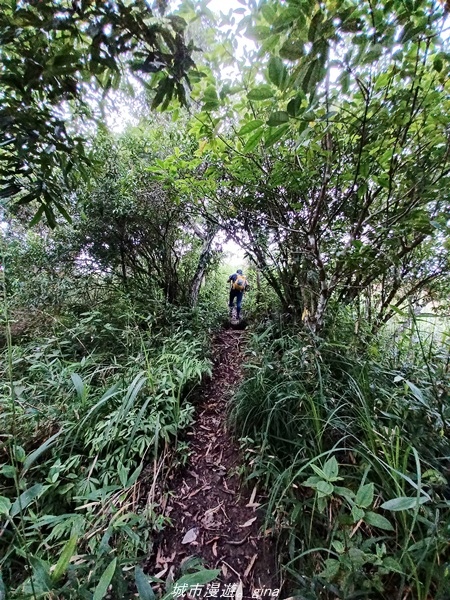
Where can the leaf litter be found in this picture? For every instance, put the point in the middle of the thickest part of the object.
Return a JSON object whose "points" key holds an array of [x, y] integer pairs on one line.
{"points": [[213, 516]]}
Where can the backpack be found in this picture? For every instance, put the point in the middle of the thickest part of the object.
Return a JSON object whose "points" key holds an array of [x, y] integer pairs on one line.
{"points": [[240, 283]]}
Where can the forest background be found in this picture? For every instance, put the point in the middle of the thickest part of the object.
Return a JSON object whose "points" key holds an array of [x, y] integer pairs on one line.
{"points": [[323, 151]]}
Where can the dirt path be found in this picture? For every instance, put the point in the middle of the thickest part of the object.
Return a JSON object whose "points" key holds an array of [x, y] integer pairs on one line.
{"points": [[214, 517]]}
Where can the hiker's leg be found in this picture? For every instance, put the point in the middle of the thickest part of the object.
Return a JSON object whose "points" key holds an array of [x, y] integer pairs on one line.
{"points": [[232, 297], [239, 303]]}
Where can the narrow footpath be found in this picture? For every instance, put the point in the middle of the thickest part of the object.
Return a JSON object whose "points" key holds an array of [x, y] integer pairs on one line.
{"points": [[214, 516]]}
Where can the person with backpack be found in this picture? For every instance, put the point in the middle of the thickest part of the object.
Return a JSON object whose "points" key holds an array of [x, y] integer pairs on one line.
{"points": [[239, 285]]}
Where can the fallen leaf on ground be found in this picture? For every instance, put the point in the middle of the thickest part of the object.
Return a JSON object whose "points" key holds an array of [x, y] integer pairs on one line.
{"points": [[239, 592], [195, 492], [250, 565], [158, 560], [252, 498], [190, 536], [212, 540], [249, 522], [160, 573], [213, 510]]}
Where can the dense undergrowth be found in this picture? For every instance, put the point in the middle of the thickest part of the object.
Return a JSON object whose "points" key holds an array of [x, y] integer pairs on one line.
{"points": [[351, 438], [92, 406]]}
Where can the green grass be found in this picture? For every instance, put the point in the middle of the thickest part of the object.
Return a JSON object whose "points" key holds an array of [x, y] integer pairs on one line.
{"points": [[327, 422], [85, 409]]}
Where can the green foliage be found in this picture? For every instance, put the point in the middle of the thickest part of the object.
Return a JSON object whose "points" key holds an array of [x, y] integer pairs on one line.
{"points": [[130, 226], [53, 55], [127, 230], [352, 450], [80, 427], [335, 167], [327, 161]]}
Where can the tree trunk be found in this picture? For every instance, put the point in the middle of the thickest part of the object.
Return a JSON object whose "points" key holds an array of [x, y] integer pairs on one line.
{"points": [[203, 260], [258, 285], [123, 265]]}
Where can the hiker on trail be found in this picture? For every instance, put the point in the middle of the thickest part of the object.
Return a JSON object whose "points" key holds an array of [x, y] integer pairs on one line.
{"points": [[239, 285]]}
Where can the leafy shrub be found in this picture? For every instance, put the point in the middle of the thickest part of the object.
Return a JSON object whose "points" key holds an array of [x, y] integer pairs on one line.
{"points": [[354, 454], [86, 409]]}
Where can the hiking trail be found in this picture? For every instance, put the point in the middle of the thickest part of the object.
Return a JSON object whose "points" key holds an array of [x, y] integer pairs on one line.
{"points": [[214, 516]]}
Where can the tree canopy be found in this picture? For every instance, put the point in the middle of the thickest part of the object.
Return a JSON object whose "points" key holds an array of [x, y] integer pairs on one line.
{"points": [[332, 158], [321, 146], [54, 56]]}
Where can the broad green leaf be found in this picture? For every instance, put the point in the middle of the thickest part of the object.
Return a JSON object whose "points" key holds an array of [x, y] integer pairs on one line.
{"points": [[364, 496], [143, 586], [41, 577], [344, 492], [416, 392], [79, 385], [286, 16], [324, 488], [262, 92], [320, 472], [133, 477], [278, 118], [64, 559], [26, 498], [292, 50], [274, 135], [357, 556], [199, 577], [438, 64], [332, 567], [19, 453], [294, 105], [345, 81], [122, 471], [258, 32], [210, 94], [377, 520], [311, 76], [331, 469], [403, 503], [164, 87], [268, 12], [105, 580], [8, 471], [48, 210], [269, 45], [312, 481], [277, 71], [253, 141], [357, 513], [5, 505], [393, 565], [210, 105], [338, 546], [251, 126], [38, 216], [62, 211]]}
